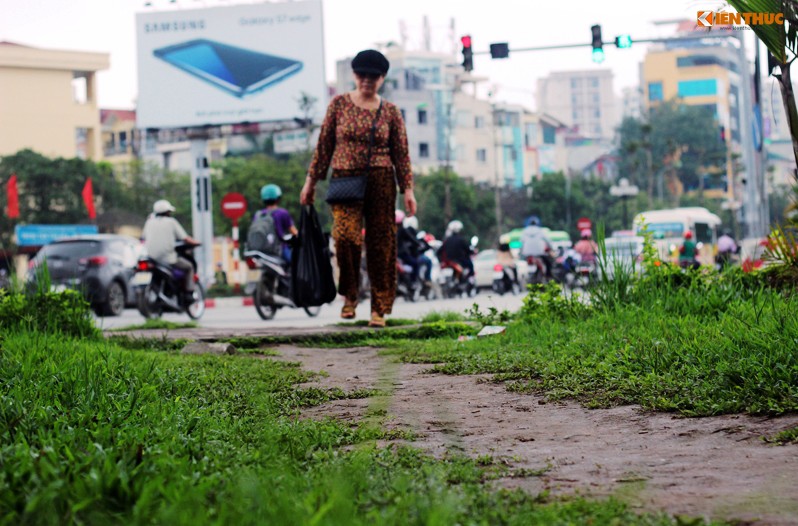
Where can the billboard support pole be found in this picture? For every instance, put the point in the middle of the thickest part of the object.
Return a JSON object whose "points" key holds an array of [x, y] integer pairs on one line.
{"points": [[201, 217]]}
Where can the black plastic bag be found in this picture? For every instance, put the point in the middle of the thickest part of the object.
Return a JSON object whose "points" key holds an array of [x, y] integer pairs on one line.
{"points": [[312, 283]]}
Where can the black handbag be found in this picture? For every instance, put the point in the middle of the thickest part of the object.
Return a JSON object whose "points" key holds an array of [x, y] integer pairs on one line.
{"points": [[352, 189], [312, 283]]}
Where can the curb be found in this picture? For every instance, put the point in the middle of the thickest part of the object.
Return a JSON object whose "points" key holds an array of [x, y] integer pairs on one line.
{"points": [[234, 301]]}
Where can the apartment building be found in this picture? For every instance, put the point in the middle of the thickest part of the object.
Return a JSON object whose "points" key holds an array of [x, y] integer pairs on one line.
{"points": [[48, 101], [584, 100]]}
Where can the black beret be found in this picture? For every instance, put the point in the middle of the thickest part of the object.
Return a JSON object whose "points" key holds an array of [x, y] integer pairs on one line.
{"points": [[370, 61]]}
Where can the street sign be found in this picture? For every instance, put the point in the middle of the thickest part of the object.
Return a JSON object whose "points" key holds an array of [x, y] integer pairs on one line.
{"points": [[234, 205], [584, 223]]}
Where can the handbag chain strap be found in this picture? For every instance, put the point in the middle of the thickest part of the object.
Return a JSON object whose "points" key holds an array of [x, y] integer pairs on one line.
{"points": [[371, 138]]}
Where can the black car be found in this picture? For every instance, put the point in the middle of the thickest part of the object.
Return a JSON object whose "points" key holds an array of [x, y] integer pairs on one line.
{"points": [[101, 266]]}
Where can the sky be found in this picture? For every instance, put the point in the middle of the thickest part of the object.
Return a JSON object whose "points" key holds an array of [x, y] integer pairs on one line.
{"points": [[351, 25]]}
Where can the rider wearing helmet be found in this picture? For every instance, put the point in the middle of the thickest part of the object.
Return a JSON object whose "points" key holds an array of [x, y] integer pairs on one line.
{"points": [[455, 248], [160, 233], [410, 248], [535, 243], [586, 247], [270, 194], [687, 252]]}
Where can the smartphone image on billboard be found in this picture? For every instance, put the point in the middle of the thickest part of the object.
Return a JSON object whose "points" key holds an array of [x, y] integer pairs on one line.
{"points": [[237, 71]]}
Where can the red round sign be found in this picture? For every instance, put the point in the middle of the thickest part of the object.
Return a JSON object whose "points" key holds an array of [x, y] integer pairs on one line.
{"points": [[234, 205], [584, 223]]}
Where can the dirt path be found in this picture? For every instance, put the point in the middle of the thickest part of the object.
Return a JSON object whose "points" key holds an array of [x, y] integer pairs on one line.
{"points": [[716, 467]]}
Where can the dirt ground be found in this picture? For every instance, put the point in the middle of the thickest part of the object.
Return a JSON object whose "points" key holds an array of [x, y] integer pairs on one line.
{"points": [[715, 467]]}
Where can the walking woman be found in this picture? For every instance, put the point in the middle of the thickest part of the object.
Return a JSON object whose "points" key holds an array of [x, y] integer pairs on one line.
{"points": [[344, 144]]}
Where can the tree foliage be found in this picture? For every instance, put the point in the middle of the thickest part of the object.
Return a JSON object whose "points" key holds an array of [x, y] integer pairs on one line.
{"points": [[677, 142]]}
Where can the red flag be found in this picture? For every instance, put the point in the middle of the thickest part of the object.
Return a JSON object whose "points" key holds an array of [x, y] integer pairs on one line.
{"points": [[13, 197], [88, 198]]}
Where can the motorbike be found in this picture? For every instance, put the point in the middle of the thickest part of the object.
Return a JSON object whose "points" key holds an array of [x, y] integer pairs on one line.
{"points": [[160, 287], [272, 291], [585, 274], [504, 280], [536, 272], [457, 281], [407, 285]]}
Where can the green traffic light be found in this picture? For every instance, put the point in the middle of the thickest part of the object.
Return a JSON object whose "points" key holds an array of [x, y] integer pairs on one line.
{"points": [[598, 55], [623, 41]]}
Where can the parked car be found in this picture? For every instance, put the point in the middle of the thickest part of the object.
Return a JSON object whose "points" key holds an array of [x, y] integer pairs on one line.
{"points": [[484, 263], [100, 265], [622, 252]]}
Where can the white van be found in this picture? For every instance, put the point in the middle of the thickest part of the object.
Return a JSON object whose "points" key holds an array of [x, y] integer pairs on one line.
{"points": [[668, 228]]}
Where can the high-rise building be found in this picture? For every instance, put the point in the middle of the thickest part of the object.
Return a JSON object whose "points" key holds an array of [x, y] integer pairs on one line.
{"points": [[585, 100]]}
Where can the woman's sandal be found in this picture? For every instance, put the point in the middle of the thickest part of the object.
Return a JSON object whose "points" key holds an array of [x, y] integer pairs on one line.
{"points": [[376, 320], [348, 310]]}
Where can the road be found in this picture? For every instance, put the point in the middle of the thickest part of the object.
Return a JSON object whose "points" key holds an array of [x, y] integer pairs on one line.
{"points": [[240, 317]]}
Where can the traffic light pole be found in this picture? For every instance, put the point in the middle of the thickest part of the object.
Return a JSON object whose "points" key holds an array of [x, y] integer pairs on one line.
{"points": [[702, 36]]}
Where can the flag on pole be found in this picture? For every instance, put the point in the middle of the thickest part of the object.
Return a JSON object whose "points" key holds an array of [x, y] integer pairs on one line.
{"points": [[88, 198], [12, 195]]}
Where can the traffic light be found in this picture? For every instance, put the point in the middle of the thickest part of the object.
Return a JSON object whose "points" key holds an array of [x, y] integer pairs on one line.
{"points": [[598, 45], [468, 54], [499, 50], [623, 41]]}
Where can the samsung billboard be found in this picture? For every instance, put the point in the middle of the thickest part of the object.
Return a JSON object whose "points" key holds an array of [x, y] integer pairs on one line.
{"points": [[231, 64]]}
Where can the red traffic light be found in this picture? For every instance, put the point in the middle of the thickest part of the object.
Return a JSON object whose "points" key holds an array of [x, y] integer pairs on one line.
{"points": [[466, 41]]}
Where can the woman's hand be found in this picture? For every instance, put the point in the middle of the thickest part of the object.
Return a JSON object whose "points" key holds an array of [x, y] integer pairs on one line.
{"points": [[308, 194], [410, 202]]}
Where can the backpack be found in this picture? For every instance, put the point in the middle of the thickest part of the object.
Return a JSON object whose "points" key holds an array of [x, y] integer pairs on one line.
{"points": [[262, 235]]}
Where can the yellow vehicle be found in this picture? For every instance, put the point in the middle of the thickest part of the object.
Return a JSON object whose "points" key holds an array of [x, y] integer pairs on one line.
{"points": [[668, 228]]}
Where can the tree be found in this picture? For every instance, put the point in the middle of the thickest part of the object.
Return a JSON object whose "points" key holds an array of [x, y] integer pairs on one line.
{"points": [[678, 142]]}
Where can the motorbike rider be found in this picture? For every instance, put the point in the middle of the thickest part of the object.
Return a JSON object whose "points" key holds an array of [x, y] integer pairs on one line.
{"points": [[505, 258], [535, 243], [455, 249], [270, 194], [411, 249], [161, 232], [727, 247], [687, 252], [586, 247]]}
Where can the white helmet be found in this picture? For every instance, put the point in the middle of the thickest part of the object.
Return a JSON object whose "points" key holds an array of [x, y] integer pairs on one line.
{"points": [[162, 206], [410, 222], [455, 227]]}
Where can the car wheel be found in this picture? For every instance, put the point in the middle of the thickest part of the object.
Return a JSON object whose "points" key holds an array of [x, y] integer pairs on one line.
{"points": [[114, 300]]}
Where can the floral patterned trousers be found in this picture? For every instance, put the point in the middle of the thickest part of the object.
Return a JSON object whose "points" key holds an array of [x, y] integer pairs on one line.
{"points": [[377, 211]]}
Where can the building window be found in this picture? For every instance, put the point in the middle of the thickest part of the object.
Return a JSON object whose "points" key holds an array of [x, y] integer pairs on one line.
{"points": [[594, 82], [655, 91], [576, 114], [404, 116], [422, 116], [595, 98], [576, 83], [423, 150], [479, 121], [597, 113], [597, 129], [549, 134], [698, 88], [482, 155]]}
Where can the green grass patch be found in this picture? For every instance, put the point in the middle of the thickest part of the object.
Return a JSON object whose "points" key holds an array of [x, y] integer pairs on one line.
{"points": [[789, 436]]}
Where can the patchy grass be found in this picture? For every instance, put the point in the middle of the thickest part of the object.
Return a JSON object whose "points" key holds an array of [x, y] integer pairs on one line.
{"points": [[96, 433], [157, 324]]}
